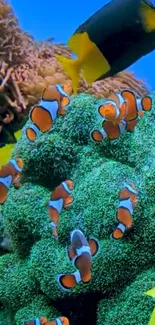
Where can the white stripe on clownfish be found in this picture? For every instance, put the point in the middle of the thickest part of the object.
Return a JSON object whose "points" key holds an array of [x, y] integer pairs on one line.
{"points": [[130, 188], [83, 249], [56, 204], [34, 128], [121, 99], [77, 276], [37, 321], [121, 227], [15, 165], [58, 321], [126, 204], [61, 91], [51, 107], [139, 105], [66, 187], [6, 181]]}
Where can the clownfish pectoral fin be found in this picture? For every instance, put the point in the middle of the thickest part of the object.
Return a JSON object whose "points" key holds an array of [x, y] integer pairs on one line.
{"points": [[67, 89], [96, 136], [70, 253], [66, 281], [94, 246], [68, 201], [65, 102]]}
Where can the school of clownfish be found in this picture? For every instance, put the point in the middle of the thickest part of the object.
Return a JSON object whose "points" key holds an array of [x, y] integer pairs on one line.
{"points": [[120, 112]]}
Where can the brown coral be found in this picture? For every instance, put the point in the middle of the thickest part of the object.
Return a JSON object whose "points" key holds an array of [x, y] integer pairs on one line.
{"points": [[27, 67]]}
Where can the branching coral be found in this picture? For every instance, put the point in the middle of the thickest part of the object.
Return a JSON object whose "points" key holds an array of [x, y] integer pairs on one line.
{"points": [[28, 67]]}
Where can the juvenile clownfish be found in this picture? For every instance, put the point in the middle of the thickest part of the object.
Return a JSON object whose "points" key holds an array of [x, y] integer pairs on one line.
{"points": [[80, 253], [109, 130], [111, 40], [60, 198], [10, 175], [43, 321], [128, 197], [54, 100]]}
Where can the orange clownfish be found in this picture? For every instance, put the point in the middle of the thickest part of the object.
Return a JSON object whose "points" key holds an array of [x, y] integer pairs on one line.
{"points": [[80, 253], [135, 106], [43, 321], [54, 100], [124, 106], [10, 175], [114, 108], [128, 197], [109, 130], [60, 198]]}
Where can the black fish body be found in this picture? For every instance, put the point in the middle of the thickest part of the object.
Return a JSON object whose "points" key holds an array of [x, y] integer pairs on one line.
{"points": [[118, 32], [111, 40]]}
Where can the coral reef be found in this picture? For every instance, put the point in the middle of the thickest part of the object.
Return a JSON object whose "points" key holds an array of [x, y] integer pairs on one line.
{"points": [[123, 269], [27, 67]]}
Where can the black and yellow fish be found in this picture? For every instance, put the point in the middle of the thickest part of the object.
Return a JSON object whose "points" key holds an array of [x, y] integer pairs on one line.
{"points": [[111, 40]]}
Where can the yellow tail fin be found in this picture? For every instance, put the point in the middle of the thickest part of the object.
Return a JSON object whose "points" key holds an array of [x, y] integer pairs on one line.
{"points": [[90, 59], [72, 68], [148, 17]]}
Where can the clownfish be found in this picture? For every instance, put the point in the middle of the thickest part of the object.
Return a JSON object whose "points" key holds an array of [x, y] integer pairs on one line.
{"points": [[135, 106], [60, 198], [120, 113], [10, 175], [80, 253], [128, 198], [113, 109], [124, 106], [43, 321], [109, 130], [54, 100], [110, 41]]}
